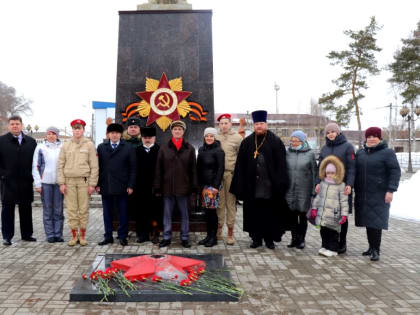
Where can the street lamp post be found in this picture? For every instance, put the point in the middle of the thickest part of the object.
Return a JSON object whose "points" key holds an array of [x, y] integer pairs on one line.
{"points": [[407, 116], [277, 88]]}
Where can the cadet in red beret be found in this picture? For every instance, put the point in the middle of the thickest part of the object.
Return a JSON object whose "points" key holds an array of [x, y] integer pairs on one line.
{"points": [[77, 175], [226, 116], [78, 122]]}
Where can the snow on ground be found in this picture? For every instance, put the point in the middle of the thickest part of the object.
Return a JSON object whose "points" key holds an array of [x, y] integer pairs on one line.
{"points": [[405, 200]]}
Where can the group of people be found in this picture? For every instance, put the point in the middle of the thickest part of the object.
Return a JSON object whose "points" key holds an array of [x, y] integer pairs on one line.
{"points": [[281, 188], [323, 191]]}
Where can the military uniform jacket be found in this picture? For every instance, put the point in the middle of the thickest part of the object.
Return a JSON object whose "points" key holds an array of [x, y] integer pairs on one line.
{"points": [[78, 159]]}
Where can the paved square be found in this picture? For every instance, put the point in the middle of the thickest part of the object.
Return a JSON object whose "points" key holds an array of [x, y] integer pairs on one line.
{"points": [[38, 277]]}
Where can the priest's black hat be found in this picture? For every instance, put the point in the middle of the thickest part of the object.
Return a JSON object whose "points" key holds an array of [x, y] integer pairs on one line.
{"points": [[259, 116]]}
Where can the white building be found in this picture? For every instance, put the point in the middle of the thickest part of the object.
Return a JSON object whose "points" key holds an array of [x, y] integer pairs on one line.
{"points": [[102, 111]]}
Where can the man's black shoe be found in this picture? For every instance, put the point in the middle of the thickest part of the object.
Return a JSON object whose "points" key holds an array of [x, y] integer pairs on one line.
{"points": [[106, 241], [51, 240], [29, 239], [7, 242], [185, 244], [59, 239], [204, 240], [270, 245], [142, 239], [300, 245], [155, 239], [164, 243], [123, 241], [255, 244]]}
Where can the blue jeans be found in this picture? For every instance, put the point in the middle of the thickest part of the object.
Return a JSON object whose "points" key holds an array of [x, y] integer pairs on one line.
{"points": [[52, 202], [168, 208], [108, 203]]}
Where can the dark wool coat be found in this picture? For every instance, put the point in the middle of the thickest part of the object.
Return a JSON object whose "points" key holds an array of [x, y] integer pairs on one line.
{"points": [[148, 204], [117, 168], [210, 165], [176, 171], [146, 168], [302, 171], [16, 169], [345, 152], [244, 179], [377, 172]]}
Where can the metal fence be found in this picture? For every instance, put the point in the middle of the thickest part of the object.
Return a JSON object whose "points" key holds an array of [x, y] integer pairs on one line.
{"points": [[403, 159]]}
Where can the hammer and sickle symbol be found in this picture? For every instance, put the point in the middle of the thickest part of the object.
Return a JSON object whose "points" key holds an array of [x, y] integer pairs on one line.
{"points": [[164, 100]]}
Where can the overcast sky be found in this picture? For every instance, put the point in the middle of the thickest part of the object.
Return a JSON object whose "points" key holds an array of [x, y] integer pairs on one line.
{"points": [[63, 54]]}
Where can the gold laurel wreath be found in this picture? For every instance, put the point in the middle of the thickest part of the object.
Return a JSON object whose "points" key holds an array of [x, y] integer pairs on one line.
{"points": [[163, 122]]}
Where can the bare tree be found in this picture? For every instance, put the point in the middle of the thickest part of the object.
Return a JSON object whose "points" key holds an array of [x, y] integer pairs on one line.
{"points": [[11, 104]]}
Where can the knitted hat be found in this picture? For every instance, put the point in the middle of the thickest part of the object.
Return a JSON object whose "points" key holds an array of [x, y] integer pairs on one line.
{"points": [[211, 131], [114, 128], [373, 131], [331, 168], [332, 127], [300, 135], [178, 123], [259, 116], [53, 129]]}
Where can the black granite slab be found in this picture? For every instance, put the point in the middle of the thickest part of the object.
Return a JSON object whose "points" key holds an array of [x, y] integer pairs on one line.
{"points": [[178, 43], [84, 290]]}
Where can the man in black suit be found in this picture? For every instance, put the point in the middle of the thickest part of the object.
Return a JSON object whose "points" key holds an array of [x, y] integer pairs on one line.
{"points": [[150, 209], [16, 154], [117, 177]]}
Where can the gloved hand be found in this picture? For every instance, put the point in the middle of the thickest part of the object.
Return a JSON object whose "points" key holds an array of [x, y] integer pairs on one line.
{"points": [[314, 213], [343, 219]]}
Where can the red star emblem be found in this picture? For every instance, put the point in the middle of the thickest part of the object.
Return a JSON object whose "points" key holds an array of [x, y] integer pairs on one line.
{"points": [[163, 101], [146, 266]]}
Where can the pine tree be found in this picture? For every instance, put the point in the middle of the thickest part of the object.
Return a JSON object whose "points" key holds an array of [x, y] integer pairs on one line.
{"points": [[358, 62], [406, 68]]}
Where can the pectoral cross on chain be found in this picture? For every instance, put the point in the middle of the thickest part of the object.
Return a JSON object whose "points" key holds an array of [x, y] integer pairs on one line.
{"points": [[255, 154]]}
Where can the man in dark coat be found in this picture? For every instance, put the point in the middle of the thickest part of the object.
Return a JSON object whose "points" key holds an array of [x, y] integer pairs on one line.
{"points": [[175, 180], [16, 154], [133, 137], [117, 177], [260, 180], [149, 213], [377, 178]]}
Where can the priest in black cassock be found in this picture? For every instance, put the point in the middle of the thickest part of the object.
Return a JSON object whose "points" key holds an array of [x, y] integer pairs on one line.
{"points": [[149, 213], [260, 180]]}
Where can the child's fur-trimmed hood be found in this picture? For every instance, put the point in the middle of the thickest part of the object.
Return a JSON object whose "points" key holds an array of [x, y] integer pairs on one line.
{"points": [[339, 176]]}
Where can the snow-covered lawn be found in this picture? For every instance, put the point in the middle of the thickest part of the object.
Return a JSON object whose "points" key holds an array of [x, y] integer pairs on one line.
{"points": [[405, 204]]}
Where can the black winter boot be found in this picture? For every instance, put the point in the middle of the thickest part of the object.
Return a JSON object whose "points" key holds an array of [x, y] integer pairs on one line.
{"points": [[212, 240], [375, 255], [368, 252], [204, 240], [300, 243], [294, 241]]}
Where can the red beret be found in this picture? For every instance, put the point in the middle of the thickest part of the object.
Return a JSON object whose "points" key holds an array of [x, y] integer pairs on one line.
{"points": [[373, 131], [78, 121], [227, 116]]}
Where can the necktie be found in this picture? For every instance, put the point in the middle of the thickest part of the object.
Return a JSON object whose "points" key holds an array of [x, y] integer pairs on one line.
{"points": [[114, 145]]}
